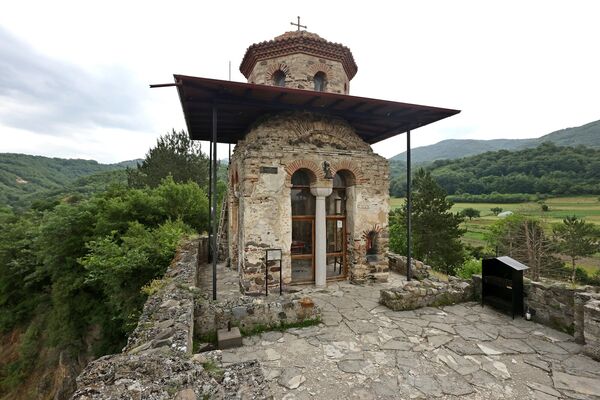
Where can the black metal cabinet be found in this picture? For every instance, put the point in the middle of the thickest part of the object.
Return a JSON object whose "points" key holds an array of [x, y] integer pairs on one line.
{"points": [[502, 284]]}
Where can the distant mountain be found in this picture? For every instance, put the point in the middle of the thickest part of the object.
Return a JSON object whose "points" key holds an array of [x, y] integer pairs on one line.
{"points": [[586, 135], [23, 175]]}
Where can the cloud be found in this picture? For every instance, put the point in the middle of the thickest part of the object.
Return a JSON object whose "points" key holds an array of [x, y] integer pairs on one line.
{"points": [[52, 97]]}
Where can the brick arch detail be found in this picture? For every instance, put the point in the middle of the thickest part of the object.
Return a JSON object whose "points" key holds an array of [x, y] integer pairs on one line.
{"points": [[319, 67], [347, 165], [276, 67], [304, 164]]}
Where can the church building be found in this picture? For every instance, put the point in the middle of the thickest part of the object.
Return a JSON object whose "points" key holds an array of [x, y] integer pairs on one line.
{"points": [[303, 178]]}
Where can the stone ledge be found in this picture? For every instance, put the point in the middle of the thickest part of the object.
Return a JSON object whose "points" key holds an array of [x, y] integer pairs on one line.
{"points": [[419, 270], [427, 292], [168, 316], [248, 312], [154, 376], [591, 329]]}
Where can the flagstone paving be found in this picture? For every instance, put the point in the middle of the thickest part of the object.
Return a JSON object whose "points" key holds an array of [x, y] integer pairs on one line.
{"points": [[363, 350]]}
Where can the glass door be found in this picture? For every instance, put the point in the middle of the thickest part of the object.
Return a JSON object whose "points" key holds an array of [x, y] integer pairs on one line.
{"points": [[336, 247], [302, 249]]}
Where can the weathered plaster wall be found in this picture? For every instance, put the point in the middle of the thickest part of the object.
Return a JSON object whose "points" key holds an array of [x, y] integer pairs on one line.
{"points": [[299, 70], [288, 142]]}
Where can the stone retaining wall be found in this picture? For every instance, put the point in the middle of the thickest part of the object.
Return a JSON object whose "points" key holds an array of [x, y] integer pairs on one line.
{"points": [[397, 263], [249, 313], [157, 362], [427, 292], [168, 315], [562, 306], [558, 304], [591, 332]]}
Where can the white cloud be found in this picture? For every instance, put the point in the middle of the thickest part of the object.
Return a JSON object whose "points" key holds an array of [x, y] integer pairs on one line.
{"points": [[516, 69]]}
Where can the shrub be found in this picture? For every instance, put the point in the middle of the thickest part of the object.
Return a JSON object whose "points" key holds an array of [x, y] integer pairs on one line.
{"points": [[468, 268]]}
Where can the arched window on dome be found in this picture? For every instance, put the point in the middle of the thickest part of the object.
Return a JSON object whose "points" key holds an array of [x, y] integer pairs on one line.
{"points": [[279, 78], [320, 81]]}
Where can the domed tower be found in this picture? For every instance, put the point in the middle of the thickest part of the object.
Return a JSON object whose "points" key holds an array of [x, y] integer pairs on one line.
{"points": [[300, 60], [304, 182]]}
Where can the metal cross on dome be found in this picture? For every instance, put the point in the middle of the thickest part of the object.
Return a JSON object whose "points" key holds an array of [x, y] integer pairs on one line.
{"points": [[298, 24]]}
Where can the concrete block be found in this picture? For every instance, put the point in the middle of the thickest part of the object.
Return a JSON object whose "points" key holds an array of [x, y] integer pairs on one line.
{"points": [[229, 339]]}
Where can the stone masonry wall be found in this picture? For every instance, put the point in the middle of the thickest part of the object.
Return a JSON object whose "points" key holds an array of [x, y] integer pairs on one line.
{"points": [[397, 263], [553, 303], [427, 292], [573, 310], [592, 329], [156, 363], [287, 142], [300, 69], [249, 313]]}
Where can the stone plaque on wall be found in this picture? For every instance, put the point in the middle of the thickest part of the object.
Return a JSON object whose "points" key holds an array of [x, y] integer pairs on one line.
{"points": [[268, 170]]}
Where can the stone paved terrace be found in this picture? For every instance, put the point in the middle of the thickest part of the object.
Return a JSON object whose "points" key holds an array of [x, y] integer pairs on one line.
{"points": [[363, 350]]}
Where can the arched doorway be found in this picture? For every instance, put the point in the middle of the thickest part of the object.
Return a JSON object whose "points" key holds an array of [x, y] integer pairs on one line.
{"points": [[303, 227], [336, 225]]}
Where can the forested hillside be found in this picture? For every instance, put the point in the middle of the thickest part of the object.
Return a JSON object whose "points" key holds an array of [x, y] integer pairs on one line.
{"points": [[77, 265], [586, 135], [547, 169], [22, 175]]}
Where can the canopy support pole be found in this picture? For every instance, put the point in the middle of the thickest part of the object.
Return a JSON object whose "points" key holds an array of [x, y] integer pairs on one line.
{"points": [[408, 211], [213, 203]]}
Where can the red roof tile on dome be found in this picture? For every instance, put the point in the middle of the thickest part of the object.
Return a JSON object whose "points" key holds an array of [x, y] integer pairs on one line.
{"points": [[298, 42]]}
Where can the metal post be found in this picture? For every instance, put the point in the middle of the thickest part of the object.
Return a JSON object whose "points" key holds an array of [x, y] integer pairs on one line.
{"points": [[408, 210], [266, 272], [210, 251], [213, 205], [280, 278]]}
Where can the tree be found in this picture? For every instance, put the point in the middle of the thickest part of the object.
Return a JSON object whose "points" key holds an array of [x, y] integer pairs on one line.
{"points": [[496, 210], [576, 238], [470, 213], [175, 154], [436, 231], [523, 239]]}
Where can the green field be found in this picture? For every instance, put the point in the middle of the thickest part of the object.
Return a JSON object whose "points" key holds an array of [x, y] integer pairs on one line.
{"points": [[585, 207]]}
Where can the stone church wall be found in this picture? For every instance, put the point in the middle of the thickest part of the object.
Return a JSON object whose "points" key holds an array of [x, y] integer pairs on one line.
{"points": [[260, 176], [299, 70]]}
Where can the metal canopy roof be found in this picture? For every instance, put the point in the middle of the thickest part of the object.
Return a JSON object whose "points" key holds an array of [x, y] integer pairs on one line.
{"points": [[241, 104]]}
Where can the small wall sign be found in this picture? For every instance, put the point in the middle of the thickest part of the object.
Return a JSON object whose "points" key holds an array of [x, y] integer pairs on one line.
{"points": [[274, 254], [268, 170]]}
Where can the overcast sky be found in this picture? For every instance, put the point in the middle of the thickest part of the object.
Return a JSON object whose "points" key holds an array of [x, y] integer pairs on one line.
{"points": [[74, 75]]}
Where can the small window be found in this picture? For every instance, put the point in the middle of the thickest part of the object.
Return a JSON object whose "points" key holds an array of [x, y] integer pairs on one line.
{"points": [[279, 78], [339, 181], [320, 80], [301, 179]]}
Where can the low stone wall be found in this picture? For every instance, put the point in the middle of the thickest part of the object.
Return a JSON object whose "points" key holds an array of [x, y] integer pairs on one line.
{"points": [[168, 316], [562, 306], [591, 332], [427, 292], [558, 304], [157, 362], [397, 263], [250, 313]]}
